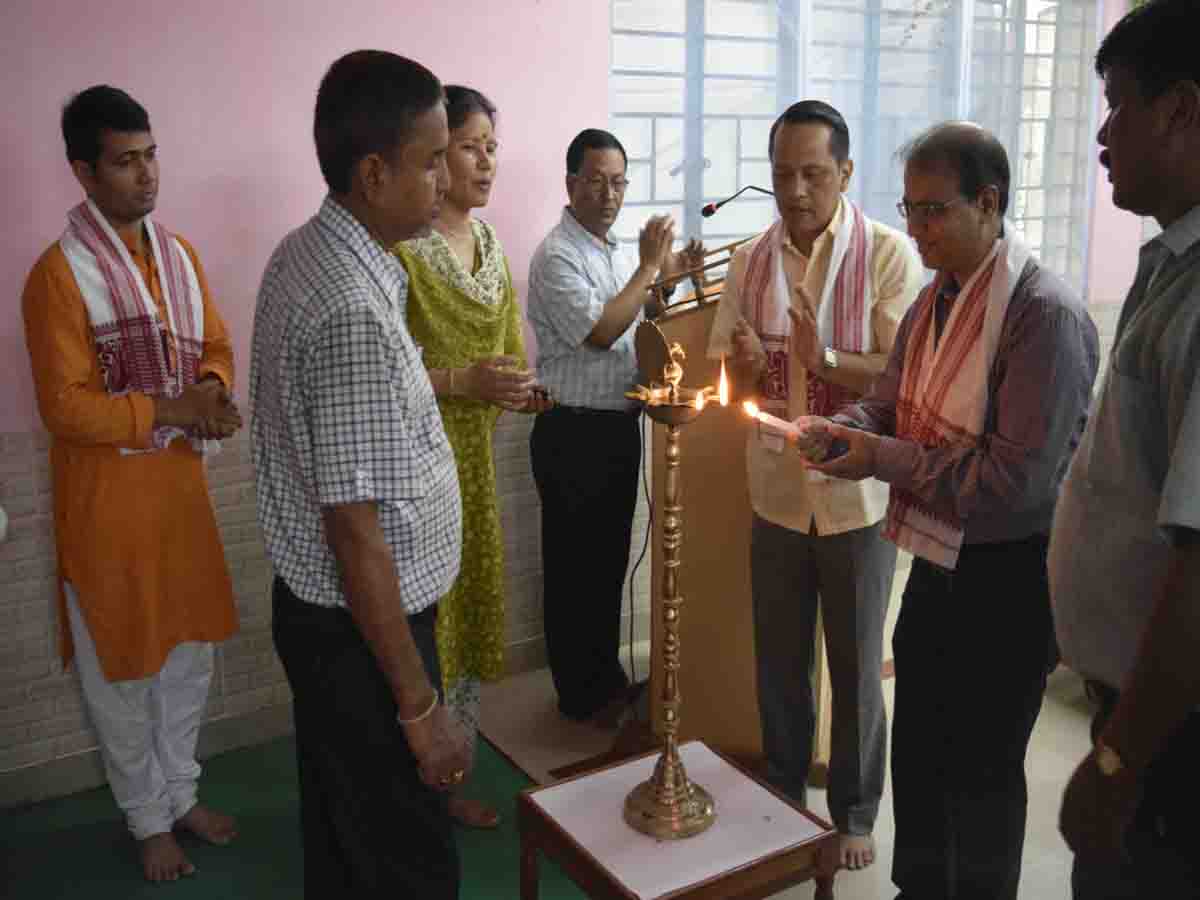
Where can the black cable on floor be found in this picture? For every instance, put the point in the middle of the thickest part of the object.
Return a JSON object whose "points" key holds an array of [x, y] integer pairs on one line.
{"points": [[645, 544]]}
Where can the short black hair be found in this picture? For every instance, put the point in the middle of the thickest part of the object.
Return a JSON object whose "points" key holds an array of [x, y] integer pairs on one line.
{"points": [[815, 111], [90, 113], [463, 102], [366, 104], [591, 139], [967, 149], [1156, 42]]}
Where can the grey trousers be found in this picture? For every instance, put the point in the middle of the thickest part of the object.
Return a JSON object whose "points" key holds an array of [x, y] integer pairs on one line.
{"points": [[850, 575]]}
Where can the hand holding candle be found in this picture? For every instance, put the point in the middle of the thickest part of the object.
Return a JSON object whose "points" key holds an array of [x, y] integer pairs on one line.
{"points": [[815, 440], [784, 427], [807, 433]]}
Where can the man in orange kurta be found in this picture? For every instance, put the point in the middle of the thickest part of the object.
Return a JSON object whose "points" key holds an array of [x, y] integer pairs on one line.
{"points": [[132, 405]]}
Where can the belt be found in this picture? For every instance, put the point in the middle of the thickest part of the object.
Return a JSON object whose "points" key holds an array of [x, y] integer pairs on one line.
{"points": [[985, 547], [427, 616], [317, 612], [589, 411]]}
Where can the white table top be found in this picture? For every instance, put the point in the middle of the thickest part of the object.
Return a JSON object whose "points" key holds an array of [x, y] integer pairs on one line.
{"points": [[752, 823]]}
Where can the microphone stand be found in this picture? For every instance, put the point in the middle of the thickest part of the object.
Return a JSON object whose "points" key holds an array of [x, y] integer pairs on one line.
{"points": [[661, 288], [709, 208]]}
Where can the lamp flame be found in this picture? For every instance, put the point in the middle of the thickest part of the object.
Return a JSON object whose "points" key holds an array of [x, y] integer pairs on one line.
{"points": [[751, 409], [723, 385], [699, 401]]}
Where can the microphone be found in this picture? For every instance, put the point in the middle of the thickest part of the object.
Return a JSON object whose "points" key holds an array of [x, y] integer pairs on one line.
{"points": [[709, 208]]}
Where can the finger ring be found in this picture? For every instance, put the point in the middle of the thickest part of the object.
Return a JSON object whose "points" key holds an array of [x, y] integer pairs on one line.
{"points": [[457, 775]]}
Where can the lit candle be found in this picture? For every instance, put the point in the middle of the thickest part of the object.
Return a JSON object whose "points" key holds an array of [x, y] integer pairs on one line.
{"points": [[773, 422], [699, 401], [723, 385]]}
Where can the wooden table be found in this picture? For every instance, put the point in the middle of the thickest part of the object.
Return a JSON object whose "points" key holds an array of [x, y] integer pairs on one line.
{"points": [[760, 844]]}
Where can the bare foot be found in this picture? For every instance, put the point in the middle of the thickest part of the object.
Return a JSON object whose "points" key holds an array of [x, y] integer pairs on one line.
{"points": [[856, 851], [163, 859], [472, 813], [208, 825]]}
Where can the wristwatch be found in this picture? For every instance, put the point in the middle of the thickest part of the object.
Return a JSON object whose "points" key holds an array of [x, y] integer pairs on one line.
{"points": [[830, 358], [1108, 760]]}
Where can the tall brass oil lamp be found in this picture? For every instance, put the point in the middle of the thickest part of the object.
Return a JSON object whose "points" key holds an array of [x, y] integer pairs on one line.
{"points": [[669, 805]]}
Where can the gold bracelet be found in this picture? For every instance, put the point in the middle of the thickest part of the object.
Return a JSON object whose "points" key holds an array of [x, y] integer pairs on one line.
{"points": [[425, 715]]}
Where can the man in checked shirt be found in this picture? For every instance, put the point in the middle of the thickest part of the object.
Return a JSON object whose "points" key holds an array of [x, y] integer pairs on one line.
{"points": [[358, 495]]}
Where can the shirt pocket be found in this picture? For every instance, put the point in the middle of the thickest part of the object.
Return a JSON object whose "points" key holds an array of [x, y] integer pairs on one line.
{"points": [[1122, 453]]}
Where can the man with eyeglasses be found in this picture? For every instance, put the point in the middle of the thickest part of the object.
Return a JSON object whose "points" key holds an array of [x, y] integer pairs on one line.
{"points": [[807, 317], [586, 297], [972, 424]]}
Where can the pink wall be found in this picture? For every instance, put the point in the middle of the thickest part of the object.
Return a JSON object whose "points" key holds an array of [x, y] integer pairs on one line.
{"points": [[230, 88], [1116, 235]]}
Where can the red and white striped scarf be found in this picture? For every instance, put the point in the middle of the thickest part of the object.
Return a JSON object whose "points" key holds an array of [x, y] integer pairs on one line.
{"points": [[843, 314], [943, 394], [133, 343]]}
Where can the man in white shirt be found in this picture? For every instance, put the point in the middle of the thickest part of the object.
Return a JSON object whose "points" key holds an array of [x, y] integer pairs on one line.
{"points": [[586, 298]]}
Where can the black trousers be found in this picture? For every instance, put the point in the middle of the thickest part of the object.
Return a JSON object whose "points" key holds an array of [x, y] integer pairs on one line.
{"points": [[972, 650], [585, 464], [370, 827], [1162, 840]]}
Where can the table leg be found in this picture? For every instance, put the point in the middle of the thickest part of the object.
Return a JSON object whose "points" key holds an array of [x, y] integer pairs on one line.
{"points": [[529, 868]]}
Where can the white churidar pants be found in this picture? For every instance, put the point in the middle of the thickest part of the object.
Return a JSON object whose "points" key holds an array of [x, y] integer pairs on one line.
{"points": [[147, 728]]}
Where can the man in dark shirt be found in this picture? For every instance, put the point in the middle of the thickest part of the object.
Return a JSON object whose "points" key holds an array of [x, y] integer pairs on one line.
{"points": [[972, 425]]}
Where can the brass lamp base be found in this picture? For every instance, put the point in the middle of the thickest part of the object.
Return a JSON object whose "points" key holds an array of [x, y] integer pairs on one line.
{"points": [[669, 811]]}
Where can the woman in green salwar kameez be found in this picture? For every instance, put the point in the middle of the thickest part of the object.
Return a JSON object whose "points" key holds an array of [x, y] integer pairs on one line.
{"points": [[463, 313]]}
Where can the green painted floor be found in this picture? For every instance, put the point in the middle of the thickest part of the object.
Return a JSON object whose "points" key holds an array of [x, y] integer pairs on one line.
{"points": [[63, 847]]}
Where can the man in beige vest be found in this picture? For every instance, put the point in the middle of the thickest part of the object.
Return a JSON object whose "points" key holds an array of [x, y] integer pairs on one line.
{"points": [[808, 316]]}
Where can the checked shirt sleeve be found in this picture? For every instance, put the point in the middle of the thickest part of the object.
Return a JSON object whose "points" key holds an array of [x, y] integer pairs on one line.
{"points": [[362, 442]]}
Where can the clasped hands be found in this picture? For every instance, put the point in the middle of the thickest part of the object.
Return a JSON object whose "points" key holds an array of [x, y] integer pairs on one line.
{"points": [[654, 248], [500, 381], [205, 409]]}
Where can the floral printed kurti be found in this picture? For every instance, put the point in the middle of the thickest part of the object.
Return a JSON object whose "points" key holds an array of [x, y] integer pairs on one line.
{"points": [[458, 316]]}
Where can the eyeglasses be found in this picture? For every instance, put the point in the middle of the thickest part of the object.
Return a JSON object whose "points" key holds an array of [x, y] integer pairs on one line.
{"points": [[925, 211], [600, 186]]}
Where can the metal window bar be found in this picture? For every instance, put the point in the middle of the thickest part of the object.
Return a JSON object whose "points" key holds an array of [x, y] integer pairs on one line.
{"points": [[791, 79]]}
